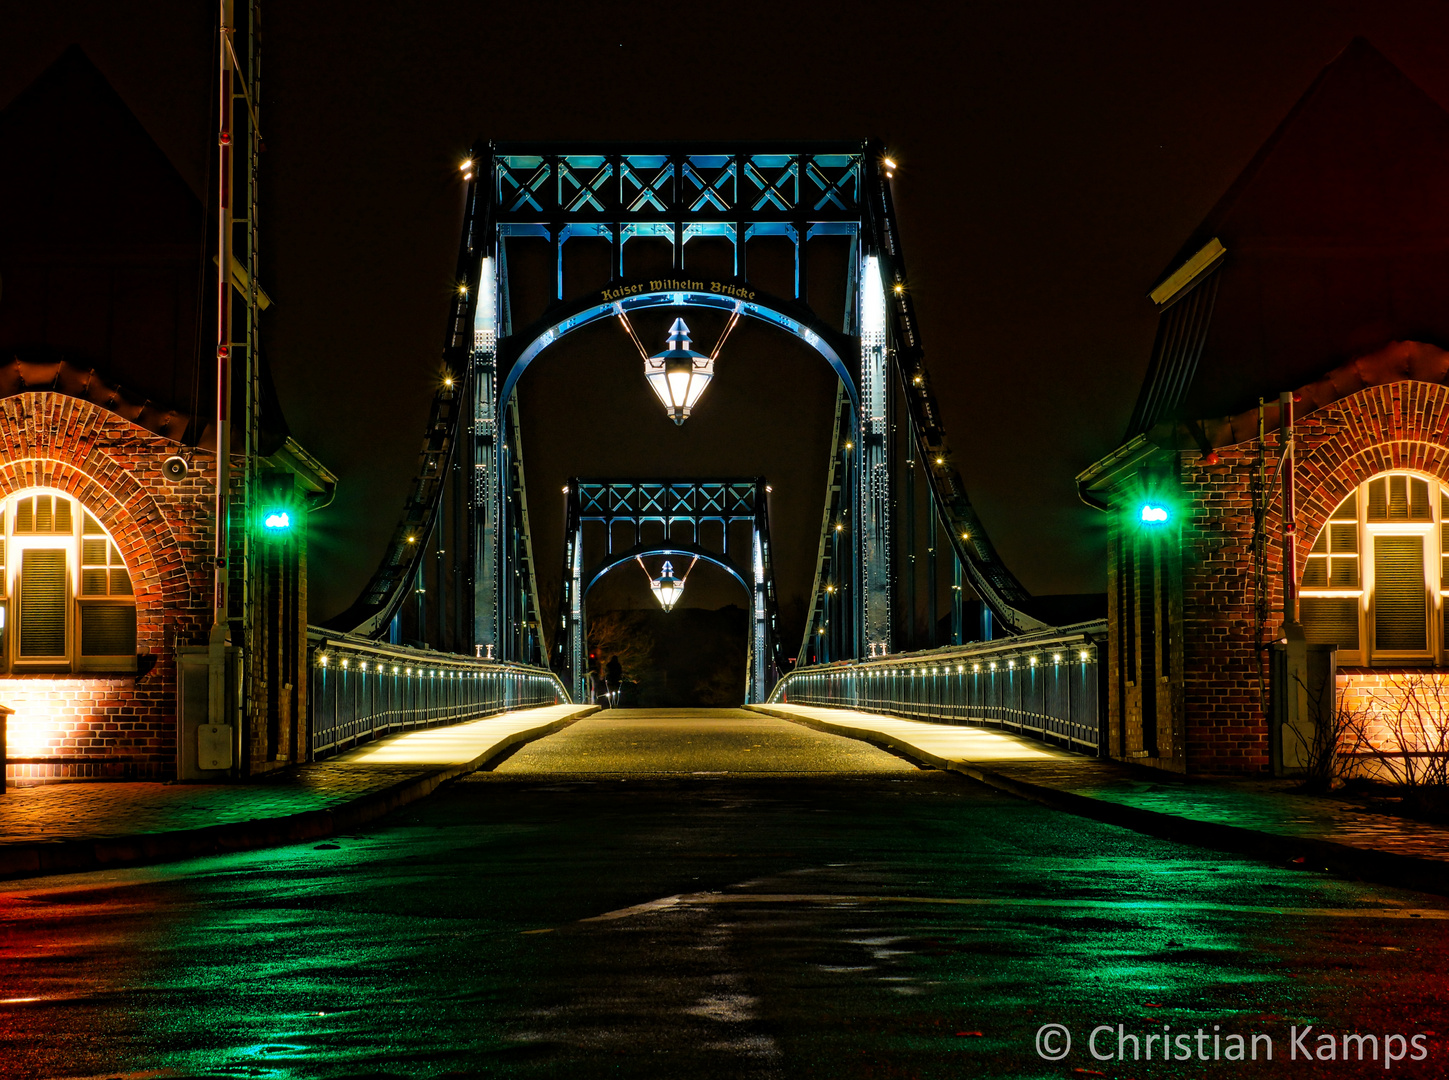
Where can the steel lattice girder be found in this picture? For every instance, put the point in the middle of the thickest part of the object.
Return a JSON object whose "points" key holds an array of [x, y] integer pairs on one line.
{"points": [[538, 183]]}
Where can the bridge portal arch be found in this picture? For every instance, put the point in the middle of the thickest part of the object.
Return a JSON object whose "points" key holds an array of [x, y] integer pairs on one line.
{"points": [[728, 296], [668, 505]]}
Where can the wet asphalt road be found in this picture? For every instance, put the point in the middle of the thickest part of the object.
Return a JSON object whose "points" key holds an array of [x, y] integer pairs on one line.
{"points": [[711, 895]]}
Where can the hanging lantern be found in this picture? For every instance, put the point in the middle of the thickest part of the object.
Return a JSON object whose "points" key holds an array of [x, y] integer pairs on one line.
{"points": [[667, 588], [679, 374]]}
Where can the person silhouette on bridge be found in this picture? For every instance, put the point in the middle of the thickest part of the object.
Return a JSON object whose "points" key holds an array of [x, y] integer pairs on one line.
{"points": [[613, 676]]}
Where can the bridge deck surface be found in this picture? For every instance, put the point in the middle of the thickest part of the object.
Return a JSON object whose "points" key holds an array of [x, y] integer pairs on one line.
{"points": [[456, 743], [695, 742]]}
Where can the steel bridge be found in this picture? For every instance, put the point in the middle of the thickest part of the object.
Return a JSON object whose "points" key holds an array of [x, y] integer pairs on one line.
{"points": [[458, 571]]}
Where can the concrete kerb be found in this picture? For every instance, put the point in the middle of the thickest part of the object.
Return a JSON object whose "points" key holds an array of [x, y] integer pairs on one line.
{"points": [[79, 855], [1309, 853]]}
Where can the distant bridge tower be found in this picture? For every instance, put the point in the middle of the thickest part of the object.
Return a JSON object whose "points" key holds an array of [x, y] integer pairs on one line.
{"points": [[665, 518]]}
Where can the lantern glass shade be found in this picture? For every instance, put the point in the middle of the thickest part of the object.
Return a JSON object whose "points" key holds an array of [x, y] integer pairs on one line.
{"points": [[678, 375], [667, 588]]}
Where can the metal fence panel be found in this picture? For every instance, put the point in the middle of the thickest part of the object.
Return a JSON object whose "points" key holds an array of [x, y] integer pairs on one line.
{"points": [[361, 690], [1043, 685]]}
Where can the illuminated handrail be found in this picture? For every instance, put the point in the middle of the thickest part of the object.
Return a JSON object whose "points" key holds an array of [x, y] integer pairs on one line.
{"points": [[1047, 685], [359, 689]]}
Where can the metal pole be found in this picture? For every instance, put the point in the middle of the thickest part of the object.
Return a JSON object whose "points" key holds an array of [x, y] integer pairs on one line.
{"points": [[956, 598], [442, 592], [1290, 538], [249, 580], [219, 629], [932, 538], [440, 537], [910, 627]]}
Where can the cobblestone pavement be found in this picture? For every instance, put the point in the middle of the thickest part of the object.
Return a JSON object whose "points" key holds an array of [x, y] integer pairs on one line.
{"points": [[72, 811], [1265, 806], [103, 810]]}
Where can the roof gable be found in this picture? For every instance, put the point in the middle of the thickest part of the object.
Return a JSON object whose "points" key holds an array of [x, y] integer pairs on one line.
{"points": [[1336, 239], [108, 277], [93, 174], [1362, 158]]}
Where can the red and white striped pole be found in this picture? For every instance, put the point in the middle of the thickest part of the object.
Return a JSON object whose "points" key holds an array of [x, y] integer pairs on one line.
{"points": [[219, 626], [1290, 531]]}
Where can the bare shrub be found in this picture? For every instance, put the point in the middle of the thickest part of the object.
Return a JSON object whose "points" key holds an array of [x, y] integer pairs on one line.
{"points": [[1402, 735], [1328, 762]]}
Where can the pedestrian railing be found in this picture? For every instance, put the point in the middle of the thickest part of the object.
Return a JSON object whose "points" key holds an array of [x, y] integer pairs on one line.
{"points": [[1046, 685], [360, 690]]}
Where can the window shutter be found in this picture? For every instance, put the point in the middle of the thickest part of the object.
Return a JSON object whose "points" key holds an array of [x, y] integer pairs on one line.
{"points": [[1400, 596], [108, 630], [1330, 620], [42, 603]]}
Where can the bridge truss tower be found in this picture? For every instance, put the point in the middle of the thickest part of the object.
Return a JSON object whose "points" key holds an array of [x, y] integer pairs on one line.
{"points": [[666, 519], [677, 192]]}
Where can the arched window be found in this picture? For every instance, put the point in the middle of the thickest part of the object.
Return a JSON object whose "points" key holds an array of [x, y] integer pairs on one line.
{"points": [[68, 601], [1375, 577]]}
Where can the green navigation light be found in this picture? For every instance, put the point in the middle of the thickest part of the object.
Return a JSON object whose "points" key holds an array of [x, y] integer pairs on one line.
{"points": [[1154, 515], [278, 520]]}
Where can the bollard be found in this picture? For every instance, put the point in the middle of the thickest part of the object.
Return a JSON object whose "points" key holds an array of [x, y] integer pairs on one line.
{"points": [[5, 715]]}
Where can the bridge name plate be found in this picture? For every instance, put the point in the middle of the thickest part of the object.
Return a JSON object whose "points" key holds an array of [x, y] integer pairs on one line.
{"points": [[722, 288]]}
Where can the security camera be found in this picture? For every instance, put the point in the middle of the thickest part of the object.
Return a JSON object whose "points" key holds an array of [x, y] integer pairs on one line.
{"points": [[175, 469]]}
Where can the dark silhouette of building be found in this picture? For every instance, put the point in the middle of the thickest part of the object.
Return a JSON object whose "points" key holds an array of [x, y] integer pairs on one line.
{"points": [[107, 370], [1322, 272]]}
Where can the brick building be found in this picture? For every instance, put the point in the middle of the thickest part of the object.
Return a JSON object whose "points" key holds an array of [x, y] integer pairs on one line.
{"points": [[1322, 273], [105, 570]]}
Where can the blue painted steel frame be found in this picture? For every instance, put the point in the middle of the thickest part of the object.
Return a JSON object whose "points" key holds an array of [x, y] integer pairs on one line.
{"points": [[677, 191]]}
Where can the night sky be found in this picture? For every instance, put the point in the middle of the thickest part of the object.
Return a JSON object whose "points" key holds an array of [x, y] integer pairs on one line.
{"points": [[1053, 158]]}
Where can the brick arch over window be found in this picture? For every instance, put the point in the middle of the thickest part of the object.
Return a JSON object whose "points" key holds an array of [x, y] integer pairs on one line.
{"points": [[112, 468], [1396, 427]]}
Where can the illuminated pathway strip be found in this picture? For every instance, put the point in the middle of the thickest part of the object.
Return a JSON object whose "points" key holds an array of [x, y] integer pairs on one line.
{"points": [[460, 743], [938, 743]]}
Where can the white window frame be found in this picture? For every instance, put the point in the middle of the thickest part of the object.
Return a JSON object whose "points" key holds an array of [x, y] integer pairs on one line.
{"points": [[1368, 654], [15, 545]]}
